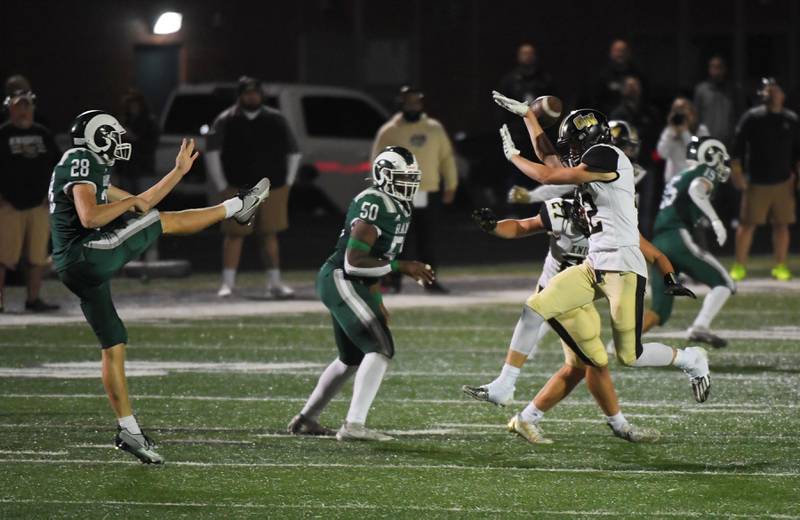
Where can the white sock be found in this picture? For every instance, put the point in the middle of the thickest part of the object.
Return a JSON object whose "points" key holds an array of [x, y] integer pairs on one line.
{"points": [[682, 359], [329, 384], [232, 206], [229, 277], [617, 421], [508, 375], [532, 414], [655, 355], [712, 304], [368, 380], [273, 276], [129, 423]]}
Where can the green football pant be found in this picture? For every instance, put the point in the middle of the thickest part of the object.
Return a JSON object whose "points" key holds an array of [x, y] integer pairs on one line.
{"points": [[102, 258], [359, 325], [688, 258]]}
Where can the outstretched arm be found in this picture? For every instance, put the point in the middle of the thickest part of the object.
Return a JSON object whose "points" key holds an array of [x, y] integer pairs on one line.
{"points": [[508, 228], [183, 163], [654, 255], [542, 145], [700, 192], [93, 215]]}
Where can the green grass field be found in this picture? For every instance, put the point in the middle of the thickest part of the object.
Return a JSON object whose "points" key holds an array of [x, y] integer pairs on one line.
{"points": [[218, 394]]}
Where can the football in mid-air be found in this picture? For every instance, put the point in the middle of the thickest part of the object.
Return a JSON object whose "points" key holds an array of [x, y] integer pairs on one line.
{"points": [[547, 110]]}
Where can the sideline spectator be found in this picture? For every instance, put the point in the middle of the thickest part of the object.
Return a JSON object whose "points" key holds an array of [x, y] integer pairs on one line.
{"points": [[610, 86], [249, 141], [28, 154], [427, 139], [636, 111], [766, 149], [682, 125], [525, 82], [716, 101]]}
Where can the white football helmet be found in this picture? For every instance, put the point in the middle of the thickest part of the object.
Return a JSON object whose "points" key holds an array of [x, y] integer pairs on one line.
{"points": [[395, 172], [712, 153], [101, 133]]}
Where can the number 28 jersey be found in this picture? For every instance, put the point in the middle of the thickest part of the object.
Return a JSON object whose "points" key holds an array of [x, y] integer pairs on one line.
{"points": [[611, 212], [390, 217], [77, 166]]}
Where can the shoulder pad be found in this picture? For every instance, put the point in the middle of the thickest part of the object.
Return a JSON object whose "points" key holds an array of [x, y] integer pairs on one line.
{"points": [[81, 153], [601, 158]]}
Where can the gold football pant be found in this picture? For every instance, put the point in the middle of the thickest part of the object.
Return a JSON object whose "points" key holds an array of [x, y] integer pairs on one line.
{"points": [[567, 304]]}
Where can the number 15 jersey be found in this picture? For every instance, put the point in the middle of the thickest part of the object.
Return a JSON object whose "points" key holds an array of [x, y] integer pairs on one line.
{"points": [[611, 211], [390, 217]]}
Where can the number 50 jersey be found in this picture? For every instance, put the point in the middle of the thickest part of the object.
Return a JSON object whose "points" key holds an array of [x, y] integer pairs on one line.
{"points": [[390, 217], [611, 212]]}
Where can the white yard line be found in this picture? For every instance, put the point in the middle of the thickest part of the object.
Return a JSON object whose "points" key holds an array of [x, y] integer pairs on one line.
{"points": [[396, 467], [32, 452], [739, 407], [386, 507]]}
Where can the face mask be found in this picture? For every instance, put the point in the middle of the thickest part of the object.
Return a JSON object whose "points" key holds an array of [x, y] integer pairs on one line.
{"points": [[412, 116], [251, 114]]}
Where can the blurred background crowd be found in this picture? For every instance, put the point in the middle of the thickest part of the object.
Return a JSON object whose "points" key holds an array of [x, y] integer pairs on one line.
{"points": [[346, 77]]}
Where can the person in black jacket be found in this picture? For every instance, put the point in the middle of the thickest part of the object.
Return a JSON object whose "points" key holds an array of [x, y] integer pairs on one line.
{"points": [[28, 153], [249, 141], [142, 132]]}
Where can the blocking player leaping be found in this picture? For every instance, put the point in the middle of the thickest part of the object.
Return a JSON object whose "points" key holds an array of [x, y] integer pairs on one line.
{"points": [[373, 235], [97, 228], [615, 267], [686, 199]]}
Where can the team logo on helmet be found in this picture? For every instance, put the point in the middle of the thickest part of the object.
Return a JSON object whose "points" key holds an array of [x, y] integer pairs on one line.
{"points": [[101, 133], [395, 172], [579, 131], [712, 153]]}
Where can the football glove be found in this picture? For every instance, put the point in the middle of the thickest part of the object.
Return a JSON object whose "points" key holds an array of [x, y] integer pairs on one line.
{"points": [[720, 231], [485, 218], [509, 149], [519, 195], [519, 108], [675, 288]]}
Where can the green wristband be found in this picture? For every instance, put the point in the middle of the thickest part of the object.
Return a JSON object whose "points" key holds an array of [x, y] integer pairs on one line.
{"points": [[353, 243], [395, 265]]}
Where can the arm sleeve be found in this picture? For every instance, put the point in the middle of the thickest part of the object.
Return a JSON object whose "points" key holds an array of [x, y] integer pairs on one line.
{"points": [[213, 154], [447, 163], [600, 159], [699, 192]]}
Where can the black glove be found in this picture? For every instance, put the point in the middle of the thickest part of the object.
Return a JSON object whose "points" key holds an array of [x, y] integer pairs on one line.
{"points": [[674, 287], [485, 218]]}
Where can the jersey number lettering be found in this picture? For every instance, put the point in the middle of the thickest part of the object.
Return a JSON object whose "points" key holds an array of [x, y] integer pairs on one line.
{"points": [[80, 168], [369, 211], [670, 192]]}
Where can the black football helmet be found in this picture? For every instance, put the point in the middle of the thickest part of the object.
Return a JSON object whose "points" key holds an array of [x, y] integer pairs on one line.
{"points": [[625, 137], [711, 152], [101, 133], [579, 131]]}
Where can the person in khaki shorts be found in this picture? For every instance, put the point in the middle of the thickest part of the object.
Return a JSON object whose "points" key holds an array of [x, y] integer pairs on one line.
{"points": [[249, 141], [767, 148], [27, 156]]}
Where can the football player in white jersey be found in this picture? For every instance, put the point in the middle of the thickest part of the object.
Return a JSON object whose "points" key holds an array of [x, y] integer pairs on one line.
{"points": [[567, 247], [615, 267]]}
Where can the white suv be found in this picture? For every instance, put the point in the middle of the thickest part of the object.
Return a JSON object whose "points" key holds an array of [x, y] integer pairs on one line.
{"points": [[334, 128]]}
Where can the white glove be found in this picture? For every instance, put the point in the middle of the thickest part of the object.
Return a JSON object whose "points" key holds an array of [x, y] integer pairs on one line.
{"points": [[720, 231], [519, 108], [519, 195], [508, 144]]}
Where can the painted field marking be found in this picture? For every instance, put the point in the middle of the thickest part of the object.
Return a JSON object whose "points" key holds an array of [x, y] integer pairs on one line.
{"points": [[435, 467], [382, 507], [32, 452]]}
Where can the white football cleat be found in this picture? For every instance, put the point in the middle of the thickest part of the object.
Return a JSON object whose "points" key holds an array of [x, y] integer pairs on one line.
{"points": [[635, 434], [698, 372], [280, 291], [494, 393], [358, 432], [224, 291], [251, 200], [527, 430]]}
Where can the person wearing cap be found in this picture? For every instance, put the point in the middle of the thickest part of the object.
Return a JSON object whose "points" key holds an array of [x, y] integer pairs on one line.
{"points": [[249, 141], [766, 158], [427, 139], [28, 153]]}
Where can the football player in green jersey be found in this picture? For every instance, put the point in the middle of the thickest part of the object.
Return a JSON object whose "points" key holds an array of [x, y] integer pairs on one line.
{"points": [[97, 228], [372, 238], [687, 199]]}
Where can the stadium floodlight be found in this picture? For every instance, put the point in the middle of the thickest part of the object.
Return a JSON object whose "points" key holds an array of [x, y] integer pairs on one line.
{"points": [[168, 23]]}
